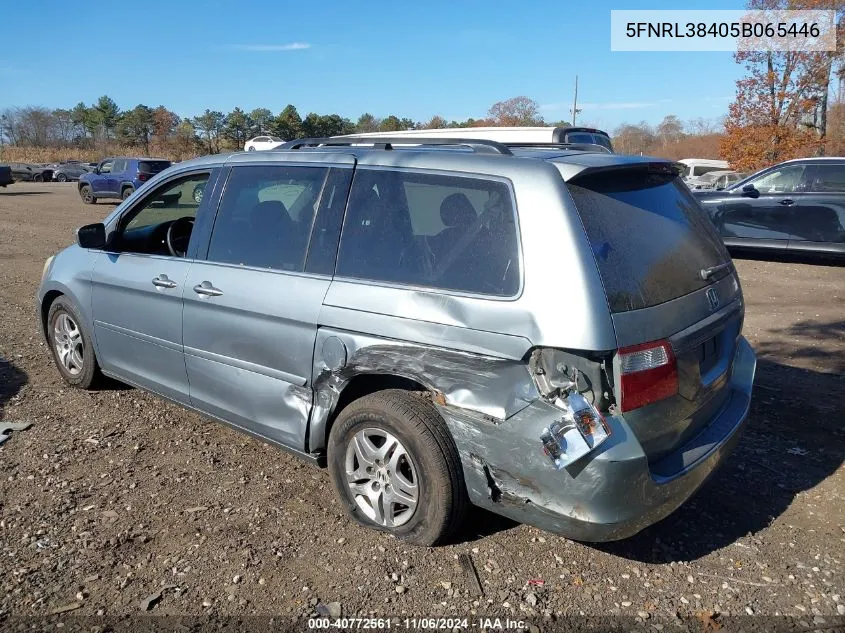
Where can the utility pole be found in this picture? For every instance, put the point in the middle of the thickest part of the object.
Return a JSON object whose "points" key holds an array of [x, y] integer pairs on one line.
{"points": [[575, 109]]}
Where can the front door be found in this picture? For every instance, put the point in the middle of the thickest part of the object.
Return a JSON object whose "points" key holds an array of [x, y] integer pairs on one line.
{"points": [[100, 184], [760, 217], [251, 309], [137, 289]]}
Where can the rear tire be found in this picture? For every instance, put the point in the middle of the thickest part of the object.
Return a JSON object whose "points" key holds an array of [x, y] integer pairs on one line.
{"points": [[70, 344], [251, 148], [87, 194], [61, 178], [38, 178], [127, 191], [422, 465]]}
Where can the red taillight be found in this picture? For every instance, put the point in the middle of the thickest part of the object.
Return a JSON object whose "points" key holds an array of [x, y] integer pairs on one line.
{"points": [[142, 176], [649, 373]]}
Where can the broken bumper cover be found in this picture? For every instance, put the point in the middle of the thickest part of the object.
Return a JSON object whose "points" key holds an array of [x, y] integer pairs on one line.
{"points": [[610, 494]]}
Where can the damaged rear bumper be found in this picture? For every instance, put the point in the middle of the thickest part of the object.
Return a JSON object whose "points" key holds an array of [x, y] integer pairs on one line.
{"points": [[610, 494]]}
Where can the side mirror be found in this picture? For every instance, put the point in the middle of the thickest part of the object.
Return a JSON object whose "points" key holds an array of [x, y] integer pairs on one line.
{"points": [[750, 191], [92, 236]]}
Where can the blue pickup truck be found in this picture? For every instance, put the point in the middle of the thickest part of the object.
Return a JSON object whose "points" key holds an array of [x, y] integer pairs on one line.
{"points": [[118, 177]]}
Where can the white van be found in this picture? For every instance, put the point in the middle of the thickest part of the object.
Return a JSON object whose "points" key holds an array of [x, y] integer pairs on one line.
{"points": [[510, 135], [694, 168]]}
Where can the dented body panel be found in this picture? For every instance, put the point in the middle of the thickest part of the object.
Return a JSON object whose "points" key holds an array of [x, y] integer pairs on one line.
{"points": [[612, 493]]}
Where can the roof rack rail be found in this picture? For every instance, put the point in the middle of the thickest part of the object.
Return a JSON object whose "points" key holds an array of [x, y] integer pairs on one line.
{"points": [[581, 147], [478, 145]]}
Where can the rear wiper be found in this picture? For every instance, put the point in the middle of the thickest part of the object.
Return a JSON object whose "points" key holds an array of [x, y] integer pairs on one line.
{"points": [[707, 273]]}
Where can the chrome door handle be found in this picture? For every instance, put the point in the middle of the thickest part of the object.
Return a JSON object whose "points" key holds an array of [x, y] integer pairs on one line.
{"points": [[207, 290], [787, 202], [163, 282]]}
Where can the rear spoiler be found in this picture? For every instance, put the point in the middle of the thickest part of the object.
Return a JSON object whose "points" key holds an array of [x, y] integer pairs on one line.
{"points": [[577, 171]]}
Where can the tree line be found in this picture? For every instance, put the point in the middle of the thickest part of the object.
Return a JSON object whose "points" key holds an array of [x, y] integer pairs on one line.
{"points": [[159, 130]]}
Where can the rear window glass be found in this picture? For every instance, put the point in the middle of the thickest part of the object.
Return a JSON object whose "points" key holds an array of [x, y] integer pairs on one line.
{"points": [[651, 239], [153, 166], [700, 170], [585, 137], [826, 178], [420, 229]]}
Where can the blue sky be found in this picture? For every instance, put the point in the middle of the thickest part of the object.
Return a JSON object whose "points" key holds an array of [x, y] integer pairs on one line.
{"points": [[418, 59]]}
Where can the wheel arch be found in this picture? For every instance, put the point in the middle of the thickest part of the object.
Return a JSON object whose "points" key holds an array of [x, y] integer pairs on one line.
{"points": [[355, 388], [49, 297]]}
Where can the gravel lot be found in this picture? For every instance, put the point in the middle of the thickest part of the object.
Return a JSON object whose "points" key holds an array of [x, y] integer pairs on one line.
{"points": [[111, 495]]}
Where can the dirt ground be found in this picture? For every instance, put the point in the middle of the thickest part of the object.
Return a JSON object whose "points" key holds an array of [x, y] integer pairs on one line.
{"points": [[112, 495]]}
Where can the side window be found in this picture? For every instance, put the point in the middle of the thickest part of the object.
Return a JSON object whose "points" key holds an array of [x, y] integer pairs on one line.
{"points": [[783, 180], [118, 167], [265, 216], [105, 168], [826, 178], [415, 228], [144, 229]]}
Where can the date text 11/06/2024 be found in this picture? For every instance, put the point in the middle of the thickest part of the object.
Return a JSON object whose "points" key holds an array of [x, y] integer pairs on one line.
{"points": [[447, 624]]}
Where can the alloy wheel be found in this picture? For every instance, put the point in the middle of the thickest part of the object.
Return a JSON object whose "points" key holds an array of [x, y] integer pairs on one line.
{"points": [[67, 339], [382, 477]]}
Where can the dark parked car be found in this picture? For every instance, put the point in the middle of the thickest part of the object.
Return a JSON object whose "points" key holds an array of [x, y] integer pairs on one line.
{"points": [[6, 175], [31, 173], [797, 207], [70, 171], [118, 177]]}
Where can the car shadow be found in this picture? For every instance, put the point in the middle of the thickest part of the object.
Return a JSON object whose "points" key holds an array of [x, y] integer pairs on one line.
{"points": [[12, 380], [481, 523], [787, 258], [25, 193], [793, 440], [797, 341]]}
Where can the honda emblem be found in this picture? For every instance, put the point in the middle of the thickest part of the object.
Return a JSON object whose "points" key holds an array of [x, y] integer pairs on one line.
{"points": [[712, 299]]}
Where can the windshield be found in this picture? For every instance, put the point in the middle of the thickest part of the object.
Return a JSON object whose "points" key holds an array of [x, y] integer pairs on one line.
{"points": [[651, 239]]}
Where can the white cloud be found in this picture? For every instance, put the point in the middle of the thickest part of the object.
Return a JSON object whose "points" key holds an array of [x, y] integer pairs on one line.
{"points": [[618, 105], [272, 48]]}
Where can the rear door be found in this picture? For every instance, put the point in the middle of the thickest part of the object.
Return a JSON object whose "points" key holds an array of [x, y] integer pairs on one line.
{"points": [[667, 278], [817, 223], [252, 304]]}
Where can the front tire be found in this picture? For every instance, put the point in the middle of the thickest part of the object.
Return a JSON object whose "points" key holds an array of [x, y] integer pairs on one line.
{"points": [[38, 178], [251, 148], [87, 194], [395, 467], [71, 346]]}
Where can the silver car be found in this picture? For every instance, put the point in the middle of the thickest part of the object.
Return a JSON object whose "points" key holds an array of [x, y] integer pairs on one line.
{"points": [[550, 334]]}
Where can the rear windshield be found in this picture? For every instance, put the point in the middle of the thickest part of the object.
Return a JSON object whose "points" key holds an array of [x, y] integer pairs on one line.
{"points": [[153, 166], [650, 237], [586, 137]]}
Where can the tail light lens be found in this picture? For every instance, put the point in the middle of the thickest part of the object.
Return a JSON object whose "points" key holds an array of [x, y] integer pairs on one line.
{"points": [[143, 176], [649, 373]]}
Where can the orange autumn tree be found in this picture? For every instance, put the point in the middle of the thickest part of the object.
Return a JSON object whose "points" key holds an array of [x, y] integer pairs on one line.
{"points": [[767, 121]]}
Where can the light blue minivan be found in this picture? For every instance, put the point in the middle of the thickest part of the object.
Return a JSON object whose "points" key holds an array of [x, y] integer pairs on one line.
{"points": [[551, 334]]}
